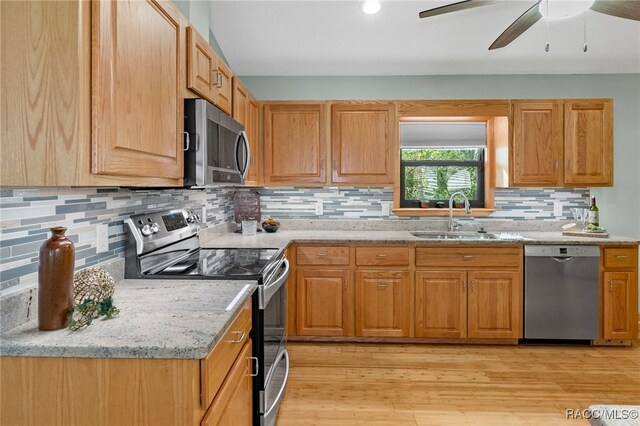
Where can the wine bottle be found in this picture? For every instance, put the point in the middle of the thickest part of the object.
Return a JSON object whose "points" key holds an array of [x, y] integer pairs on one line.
{"points": [[594, 214]]}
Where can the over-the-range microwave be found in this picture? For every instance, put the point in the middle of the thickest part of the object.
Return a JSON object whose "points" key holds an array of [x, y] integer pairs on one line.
{"points": [[217, 147]]}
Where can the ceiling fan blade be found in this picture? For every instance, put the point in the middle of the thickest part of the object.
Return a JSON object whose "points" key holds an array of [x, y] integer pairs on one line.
{"points": [[455, 7], [627, 9], [519, 26]]}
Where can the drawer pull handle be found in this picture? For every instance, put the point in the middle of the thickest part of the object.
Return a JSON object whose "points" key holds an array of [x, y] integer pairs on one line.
{"points": [[621, 256], [257, 369], [382, 285], [467, 256], [472, 282], [321, 254], [241, 338], [381, 255]]}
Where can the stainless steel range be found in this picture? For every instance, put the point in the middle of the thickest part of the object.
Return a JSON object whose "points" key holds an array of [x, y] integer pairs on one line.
{"points": [[165, 245]]}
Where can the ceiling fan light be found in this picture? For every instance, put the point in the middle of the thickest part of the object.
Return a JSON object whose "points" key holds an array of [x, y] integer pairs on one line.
{"points": [[371, 7], [562, 9]]}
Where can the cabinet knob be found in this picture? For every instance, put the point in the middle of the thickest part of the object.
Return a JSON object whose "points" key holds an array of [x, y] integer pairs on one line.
{"points": [[472, 282], [464, 286]]}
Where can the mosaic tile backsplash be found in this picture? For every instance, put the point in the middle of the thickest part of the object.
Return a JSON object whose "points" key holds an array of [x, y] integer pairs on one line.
{"points": [[27, 214], [367, 203]]}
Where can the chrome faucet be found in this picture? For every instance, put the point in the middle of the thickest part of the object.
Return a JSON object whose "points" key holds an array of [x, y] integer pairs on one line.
{"points": [[467, 209]]}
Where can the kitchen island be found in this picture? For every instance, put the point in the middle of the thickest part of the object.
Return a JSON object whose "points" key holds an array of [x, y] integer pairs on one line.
{"points": [[178, 353]]}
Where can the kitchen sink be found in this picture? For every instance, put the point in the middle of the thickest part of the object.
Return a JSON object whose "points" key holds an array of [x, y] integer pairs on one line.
{"points": [[454, 236]]}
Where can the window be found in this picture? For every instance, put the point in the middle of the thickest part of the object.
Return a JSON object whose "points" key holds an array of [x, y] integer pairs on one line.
{"points": [[438, 159], [433, 174]]}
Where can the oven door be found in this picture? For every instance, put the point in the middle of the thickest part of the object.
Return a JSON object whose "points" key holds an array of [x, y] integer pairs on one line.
{"points": [[273, 309]]}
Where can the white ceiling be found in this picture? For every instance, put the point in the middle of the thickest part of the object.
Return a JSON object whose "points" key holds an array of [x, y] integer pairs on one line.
{"points": [[308, 37]]}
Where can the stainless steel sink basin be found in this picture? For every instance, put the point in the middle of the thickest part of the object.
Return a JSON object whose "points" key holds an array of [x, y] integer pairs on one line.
{"points": [[454, 236]]}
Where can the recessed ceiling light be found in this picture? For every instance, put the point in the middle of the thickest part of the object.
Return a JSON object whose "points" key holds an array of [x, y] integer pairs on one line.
{"points": [[561, 9], [371, 7]]}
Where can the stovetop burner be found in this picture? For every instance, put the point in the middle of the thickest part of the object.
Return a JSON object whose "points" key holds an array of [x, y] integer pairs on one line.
{"points": [[234, 263]]}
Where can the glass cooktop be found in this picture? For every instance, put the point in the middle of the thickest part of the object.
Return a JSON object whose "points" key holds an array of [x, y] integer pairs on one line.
{"points": [[236, 263]]}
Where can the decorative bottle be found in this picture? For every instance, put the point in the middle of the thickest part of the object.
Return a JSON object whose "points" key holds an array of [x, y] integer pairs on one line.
{"points": [[594, 213], [55, 281]]}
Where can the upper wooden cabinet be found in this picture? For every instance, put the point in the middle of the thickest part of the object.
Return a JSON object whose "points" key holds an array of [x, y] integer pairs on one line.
{"points": [[356, 145], [588, 143], [103, 87], [561, 143], [201, 65], [363, 140], [246, 111], [536, 149], [295, 141], [137, 80], [207, 74]]}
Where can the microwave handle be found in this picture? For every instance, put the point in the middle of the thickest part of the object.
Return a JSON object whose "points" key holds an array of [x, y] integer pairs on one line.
{"points": [[245, 140]]}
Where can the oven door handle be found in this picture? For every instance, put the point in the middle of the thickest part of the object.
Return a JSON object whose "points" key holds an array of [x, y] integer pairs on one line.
{"points": [[283, 355], [266, 292]]}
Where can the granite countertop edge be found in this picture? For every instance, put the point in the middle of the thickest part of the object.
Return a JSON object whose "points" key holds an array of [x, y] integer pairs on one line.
{"points": [[178, 333], [282, 239]]}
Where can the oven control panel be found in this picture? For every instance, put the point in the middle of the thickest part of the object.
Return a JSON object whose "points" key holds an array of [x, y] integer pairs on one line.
{"points": [[153, 230]]}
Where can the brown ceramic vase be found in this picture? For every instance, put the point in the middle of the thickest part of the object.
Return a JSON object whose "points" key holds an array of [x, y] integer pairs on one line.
{"points": [[55, 281]]}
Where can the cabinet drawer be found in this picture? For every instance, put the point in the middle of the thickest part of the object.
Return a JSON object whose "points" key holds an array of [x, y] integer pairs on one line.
{"points": [[382, 256], [462, 257], [322, 255], [214, 368], [620, 257]]}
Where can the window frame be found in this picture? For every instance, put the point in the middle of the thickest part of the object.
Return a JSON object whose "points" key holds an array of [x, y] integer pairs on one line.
{"points": [[480, 164]]}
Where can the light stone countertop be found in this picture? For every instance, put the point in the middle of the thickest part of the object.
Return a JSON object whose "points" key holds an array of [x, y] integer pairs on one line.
{"points": [[158, 319], [283, 238]]}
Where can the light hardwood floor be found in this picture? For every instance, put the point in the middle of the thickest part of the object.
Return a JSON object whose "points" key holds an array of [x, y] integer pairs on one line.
{"points": [[389, 384]]}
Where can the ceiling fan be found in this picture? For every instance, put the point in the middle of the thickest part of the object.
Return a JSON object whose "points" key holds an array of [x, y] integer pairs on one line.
{"points": [[552, 9]]}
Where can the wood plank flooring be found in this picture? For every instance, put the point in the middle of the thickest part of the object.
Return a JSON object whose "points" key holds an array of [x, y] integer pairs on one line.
{"points": [[393, 384]]}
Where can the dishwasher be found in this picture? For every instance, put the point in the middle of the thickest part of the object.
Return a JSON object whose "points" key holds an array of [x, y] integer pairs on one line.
{"points": [[561, 292]]}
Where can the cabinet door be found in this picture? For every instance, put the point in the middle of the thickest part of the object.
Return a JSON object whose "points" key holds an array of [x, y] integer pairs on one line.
{"points": [[494, 305], [233, 405], [294, 144], [324, 303], [620, 296], [441, 304], [137, 86], [223, 86], [201, 65], [588, 143], [536, 145], [382, 303], [363, 143], [45, 117]]}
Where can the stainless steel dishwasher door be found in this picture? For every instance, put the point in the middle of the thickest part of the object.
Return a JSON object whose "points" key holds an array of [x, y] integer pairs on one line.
{"points": [[561, 292]]}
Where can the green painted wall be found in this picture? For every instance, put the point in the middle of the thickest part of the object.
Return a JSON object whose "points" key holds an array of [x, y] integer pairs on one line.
{"points": [[197, 12], [619, 205]]}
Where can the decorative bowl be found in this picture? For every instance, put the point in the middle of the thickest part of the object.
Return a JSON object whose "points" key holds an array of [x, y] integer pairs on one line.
{"points": [[270, 225]]}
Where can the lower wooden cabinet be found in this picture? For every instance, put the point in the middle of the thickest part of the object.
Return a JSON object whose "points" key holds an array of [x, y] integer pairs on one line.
{"points": [[233, 405], [619, 278], [441, 304], [473, 304], [324, 302], [494, 305], [383, 303]]}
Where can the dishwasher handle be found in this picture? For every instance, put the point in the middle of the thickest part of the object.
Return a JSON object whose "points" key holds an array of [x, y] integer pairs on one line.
{"points": [[562, 259]]}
